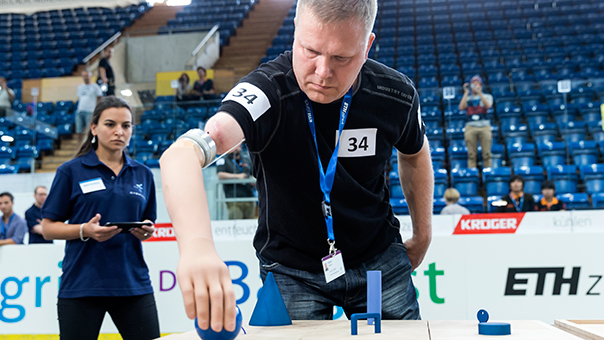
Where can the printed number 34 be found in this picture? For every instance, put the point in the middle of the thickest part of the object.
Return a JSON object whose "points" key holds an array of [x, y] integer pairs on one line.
{"points": [[250, 97], [352, 144]]}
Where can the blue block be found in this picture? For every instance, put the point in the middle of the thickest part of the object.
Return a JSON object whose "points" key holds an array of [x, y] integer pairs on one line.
{"points": [[359, 316], [374, 293], [270, 309]]}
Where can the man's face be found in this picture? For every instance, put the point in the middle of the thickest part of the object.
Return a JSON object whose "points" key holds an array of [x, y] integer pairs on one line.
{"points": [[6, 205], [327, 58], [476, 86], [547, 193], [201, 73], [86, 77], [516, 186], [109, 53], [3, 82], [40, 195]]}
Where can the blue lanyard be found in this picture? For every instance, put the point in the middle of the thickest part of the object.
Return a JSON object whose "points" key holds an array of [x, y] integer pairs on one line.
{"points": [[326, 178], [518, 207], [237, 164], [2, 225]]}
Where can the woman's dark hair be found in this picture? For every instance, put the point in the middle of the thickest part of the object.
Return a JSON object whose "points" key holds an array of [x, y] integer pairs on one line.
{"points": [[185, 75], [201, 68], [109, 102]]}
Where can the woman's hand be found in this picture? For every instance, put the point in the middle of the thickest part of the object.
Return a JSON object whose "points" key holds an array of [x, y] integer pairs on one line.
{"points": [[144, 232], [96, 231]]}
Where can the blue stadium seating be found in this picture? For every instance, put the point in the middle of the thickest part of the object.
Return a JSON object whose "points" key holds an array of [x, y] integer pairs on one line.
{"points": [[597, 200], [583, 152], [565, 178], [533, 177], [514, 134], [438, 205], [552, 154], [596, 130], [441, 182], [458, 157], [465, 181], [572, 131], [8, 169], [399, 206], [438, 157], [522, 155], [575, 201], [544, 132], [496, 180], [593, 176], [497, 155], [475, 203]]}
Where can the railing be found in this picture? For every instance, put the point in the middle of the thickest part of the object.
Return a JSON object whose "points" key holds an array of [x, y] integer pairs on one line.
{"points": [[222, 212], [101, 48]]}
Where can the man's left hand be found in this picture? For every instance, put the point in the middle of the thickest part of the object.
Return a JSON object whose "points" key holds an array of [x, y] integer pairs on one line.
{"points": [[416, 250]]}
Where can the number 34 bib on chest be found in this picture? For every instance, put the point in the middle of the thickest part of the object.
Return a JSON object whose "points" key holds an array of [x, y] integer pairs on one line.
{"points": [[357, 142]]}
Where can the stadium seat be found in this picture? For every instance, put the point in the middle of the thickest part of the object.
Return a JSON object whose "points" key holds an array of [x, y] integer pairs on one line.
{"points": [[533, 177], [399, 206], [597, 200], [565, 178], [497, 155], [572, 131], [513, 134], [575, 201], [596, 130], [6, 155], [465, 181], [438, 205], [8, 169], [496, 180], [458, 157], [441, 182], [544, 133], [593, 176], [552, 154], [438, 157], [522, 155], [583, 152], [475, 204]]}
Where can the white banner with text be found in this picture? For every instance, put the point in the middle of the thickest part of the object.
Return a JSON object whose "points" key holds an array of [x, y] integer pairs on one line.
{"points": [[537, 266]]}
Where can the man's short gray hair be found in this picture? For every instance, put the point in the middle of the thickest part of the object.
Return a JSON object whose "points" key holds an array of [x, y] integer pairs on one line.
{"points": [[332, 11]]}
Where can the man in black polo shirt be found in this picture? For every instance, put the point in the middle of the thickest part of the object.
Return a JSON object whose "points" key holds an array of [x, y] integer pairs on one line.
{"points": [[320, 123], [33, 216]]}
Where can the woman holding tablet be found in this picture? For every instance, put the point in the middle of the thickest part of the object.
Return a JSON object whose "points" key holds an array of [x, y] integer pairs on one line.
{"points": [[103, 269]]}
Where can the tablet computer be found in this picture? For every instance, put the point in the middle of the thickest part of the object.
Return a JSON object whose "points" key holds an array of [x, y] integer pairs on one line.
{"points": [[127, 226]]}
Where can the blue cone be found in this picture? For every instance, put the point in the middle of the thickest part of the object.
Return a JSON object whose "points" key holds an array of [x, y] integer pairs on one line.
{"points": [[270, 309]]}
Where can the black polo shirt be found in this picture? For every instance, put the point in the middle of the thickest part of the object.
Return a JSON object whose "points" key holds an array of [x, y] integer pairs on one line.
{"points": [[384, 113]]}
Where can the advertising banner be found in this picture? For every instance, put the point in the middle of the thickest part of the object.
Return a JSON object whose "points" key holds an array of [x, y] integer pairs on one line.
{"points": [[548, 269]]}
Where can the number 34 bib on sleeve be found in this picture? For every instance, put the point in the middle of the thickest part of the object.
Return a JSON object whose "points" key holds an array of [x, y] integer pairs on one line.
{"points": [[252, 98], [357, 143]]}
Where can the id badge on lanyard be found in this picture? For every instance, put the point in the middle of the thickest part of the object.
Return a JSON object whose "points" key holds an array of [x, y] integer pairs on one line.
{"points": [[333, 263], [3, 228]]}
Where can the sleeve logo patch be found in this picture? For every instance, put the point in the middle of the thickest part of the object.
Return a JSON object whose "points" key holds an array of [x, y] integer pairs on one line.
{"points": [[252, 98]]}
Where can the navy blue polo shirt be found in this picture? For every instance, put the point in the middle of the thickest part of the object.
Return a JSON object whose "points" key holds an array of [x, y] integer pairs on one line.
{"points": [[115, 267], [32, 215]]}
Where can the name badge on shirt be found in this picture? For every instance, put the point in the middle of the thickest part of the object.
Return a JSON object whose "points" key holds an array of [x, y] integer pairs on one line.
{"points": [[357, 143], [92, 185], [333, 266]]}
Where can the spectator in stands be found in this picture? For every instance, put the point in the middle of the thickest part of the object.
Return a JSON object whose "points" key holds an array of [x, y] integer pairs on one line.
{"points": [[478, 125], [184, 89], [7, 96], [549, 202], [516, 200], [106, 75], [103, 270], [204, 88], [237, 166], [272, 108], [89, 94], [452, 208], [33, 216], [12, 226]]}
